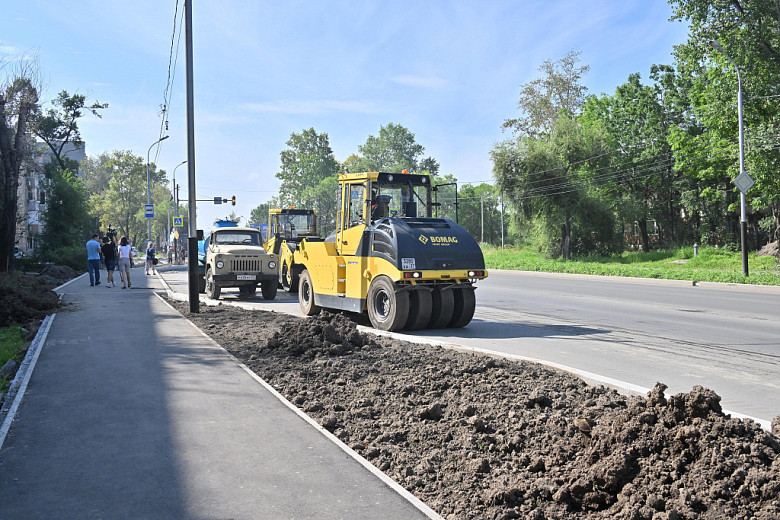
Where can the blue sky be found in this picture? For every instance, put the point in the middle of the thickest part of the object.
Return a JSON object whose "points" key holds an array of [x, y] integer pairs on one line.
{"points": [[449, 71]]}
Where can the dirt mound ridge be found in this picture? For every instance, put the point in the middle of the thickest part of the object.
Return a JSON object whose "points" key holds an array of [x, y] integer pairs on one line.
{"points": [[325, 334], [25, 299]]}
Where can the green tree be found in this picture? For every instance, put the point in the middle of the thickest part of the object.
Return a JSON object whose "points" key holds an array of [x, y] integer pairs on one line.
{"points": [[59, 125], [749, 31], [19, 103], [122, 204], [547, 180], [544, 169], [393, 150], [559, 89], [66, 219], [640, 181], [309, 174]]}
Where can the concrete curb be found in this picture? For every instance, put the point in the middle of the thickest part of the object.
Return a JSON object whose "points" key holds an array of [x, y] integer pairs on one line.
{"points": [[23, 375]]}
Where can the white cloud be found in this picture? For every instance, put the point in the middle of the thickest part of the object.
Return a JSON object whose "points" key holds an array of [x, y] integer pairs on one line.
{"points": [[427, 82], [311, 107]]}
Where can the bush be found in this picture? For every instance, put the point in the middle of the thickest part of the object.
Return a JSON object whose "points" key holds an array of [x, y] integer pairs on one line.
{"points": [[73, 256]]}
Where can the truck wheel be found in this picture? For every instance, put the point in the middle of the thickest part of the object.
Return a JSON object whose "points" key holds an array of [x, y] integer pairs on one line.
{"points": [[465, 303], [387, 309], [442, 306], [247, 290], [306, 295], [269, 288], [212, 289], [419, 309], [201, 284]]}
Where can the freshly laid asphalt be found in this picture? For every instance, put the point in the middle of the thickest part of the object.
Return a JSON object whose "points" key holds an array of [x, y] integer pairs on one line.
{"points": [[131, 412]]}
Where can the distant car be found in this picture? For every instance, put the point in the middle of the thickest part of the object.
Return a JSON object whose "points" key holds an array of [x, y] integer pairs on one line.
{"points": [[134, 251]]}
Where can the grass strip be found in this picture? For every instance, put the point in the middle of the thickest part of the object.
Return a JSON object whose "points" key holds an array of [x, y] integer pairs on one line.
{"points": [[710, 265], [12, 345]]}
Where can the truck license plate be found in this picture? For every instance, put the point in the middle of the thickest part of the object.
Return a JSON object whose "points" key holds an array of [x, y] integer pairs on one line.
{"points": [[246, 277], [407, 264]]}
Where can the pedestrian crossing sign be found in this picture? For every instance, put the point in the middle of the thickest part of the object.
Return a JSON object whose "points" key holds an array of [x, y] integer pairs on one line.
{"points": [[178, 221]]}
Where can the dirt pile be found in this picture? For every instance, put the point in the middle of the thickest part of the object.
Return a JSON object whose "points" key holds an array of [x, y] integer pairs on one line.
{"points": [[26, 299], [771, 249], [478, 437]]}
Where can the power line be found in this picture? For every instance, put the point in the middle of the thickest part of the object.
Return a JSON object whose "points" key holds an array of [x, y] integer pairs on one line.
{"points": [[172, 61]]}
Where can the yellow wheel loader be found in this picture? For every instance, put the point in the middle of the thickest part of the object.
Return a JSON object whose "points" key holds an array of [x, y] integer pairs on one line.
{"points": [[286, 228], [389, 257]]}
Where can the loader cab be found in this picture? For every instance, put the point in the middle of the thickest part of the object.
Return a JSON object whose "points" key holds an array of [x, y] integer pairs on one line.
{"points": [[292, 224], [365, 198]]}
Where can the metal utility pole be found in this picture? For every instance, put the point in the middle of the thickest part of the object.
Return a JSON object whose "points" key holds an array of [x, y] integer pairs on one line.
{"points": [[192, 240], [502, 220], [482, 217], [743, 181], [148, 186]]}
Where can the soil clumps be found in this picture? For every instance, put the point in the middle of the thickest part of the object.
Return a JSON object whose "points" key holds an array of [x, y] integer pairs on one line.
{"points": [[481, 437], [26, 299]]}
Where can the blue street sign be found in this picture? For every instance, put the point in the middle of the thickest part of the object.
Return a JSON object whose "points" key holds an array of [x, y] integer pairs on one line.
{"points": [[149, 210], [178, 221]]}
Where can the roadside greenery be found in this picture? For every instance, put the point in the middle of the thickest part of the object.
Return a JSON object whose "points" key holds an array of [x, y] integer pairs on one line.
{"points": [[710, 265], [12, 344]]}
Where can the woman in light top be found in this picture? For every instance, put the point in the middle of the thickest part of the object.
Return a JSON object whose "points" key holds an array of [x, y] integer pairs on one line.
{"points": [[125, 261]]}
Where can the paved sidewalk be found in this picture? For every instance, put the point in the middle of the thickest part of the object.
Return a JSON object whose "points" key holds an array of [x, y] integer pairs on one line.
{"points": [[132, 413]]}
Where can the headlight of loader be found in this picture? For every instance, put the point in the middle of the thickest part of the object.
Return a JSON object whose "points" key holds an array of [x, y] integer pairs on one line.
{"points": [[220, 264], [272, 265]]}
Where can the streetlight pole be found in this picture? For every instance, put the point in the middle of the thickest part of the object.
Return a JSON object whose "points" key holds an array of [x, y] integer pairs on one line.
{"points": [[743, 214], [148, 185]]}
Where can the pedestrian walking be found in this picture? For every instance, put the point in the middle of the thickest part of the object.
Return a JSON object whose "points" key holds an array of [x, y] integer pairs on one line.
{"points": [[125, 252], [93, 260], [151, 258], [109, 257]]}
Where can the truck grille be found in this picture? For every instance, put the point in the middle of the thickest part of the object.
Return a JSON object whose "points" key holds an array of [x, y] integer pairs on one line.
{"points": [[245, 264]]}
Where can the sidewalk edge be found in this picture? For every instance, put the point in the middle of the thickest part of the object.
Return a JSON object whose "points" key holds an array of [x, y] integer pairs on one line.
{"points": [[24, 374]]}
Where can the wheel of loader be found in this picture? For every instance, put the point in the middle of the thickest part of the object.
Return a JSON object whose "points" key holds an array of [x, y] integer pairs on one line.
{"points": [[306, 295], [247, 290], [465, 302], [387, 309], [290, 280], [419, 309], [442, 307], [269, 288], [212, 289]]}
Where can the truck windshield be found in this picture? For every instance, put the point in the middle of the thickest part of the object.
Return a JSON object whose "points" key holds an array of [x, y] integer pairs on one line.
{"points": [[293, 226], [237, 237], [399, 200]]}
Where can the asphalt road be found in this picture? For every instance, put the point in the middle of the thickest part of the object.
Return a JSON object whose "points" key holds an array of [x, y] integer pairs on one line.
{"points": [[638, 332]]}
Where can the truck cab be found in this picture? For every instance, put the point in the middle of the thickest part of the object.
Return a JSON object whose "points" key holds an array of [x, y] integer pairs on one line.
{"points": [[234, 256]]}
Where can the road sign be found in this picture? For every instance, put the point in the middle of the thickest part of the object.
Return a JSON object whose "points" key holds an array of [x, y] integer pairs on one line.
{"points": [[744, 182], [149, 210], [217, 200], [178, 221]]}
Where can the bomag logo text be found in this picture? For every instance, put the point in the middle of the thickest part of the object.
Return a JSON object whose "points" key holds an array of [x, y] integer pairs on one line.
{"points": [[444, 240]]}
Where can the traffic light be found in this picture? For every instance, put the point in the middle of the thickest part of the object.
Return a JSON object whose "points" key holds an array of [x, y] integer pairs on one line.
{"points": [[234, 200]]}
